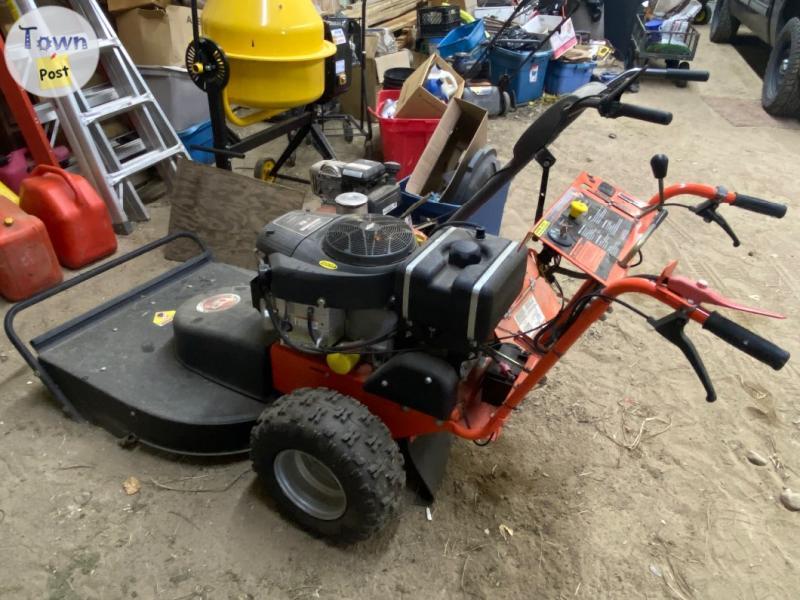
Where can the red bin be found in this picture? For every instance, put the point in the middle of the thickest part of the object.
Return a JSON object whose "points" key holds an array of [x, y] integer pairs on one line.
{"points": [[74, 214], [28, 263], [404, 140]]}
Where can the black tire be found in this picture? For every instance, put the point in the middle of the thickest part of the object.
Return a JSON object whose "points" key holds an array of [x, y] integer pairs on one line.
{"points": [[703, 17], [348, 133], [353, 445], [686, 66], [780, 95], [723, 24]]}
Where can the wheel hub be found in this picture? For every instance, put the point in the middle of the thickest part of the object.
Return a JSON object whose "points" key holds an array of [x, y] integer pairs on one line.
{"points": [[310, 485]]}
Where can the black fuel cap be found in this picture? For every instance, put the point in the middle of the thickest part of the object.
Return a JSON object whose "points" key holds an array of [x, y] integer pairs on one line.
{"points": [[464, 253]]}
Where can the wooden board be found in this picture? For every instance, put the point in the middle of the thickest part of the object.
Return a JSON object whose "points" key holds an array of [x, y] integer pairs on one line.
{"points": [[380, 11], [226, 210]]}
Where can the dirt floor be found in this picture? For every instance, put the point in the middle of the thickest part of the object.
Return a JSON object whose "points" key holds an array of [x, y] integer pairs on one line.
{"points": [[615, 480]]}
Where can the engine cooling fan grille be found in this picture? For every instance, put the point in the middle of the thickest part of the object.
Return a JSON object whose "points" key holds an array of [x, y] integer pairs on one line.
{"points": [[369, 240]]}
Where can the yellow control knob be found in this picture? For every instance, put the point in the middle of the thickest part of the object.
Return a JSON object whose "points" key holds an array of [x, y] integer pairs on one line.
{"points": [[342, 364], [577, 209], [8, 221]]}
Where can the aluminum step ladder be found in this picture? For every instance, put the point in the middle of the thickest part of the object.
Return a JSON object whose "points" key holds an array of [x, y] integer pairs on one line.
{"points": [[81, 118]]}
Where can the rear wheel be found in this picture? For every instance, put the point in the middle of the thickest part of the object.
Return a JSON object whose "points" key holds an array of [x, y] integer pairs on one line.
{"points": [[781, 93], [331, 465], [702, 17], [723, 24]]}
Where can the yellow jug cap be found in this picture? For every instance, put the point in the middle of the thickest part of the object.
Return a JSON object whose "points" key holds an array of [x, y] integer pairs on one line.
{"points": [[342, 364], [577, 209]]}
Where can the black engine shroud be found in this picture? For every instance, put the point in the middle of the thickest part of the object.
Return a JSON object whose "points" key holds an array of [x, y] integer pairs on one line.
{"points": [[452, 291]]}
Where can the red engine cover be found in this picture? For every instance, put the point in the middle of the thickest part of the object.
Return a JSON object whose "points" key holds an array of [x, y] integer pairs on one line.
{"points": [[73, 213], [28, 263]]}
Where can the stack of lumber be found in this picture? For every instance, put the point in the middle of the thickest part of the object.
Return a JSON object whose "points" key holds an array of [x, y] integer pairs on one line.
{"points": [[394, 14]]}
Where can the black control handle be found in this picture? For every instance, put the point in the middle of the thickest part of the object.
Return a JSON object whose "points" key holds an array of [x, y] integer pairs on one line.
{"points": [[746, 341], [757, 205], [678, 74], [708, 211], [633, 111], [671, 328]]}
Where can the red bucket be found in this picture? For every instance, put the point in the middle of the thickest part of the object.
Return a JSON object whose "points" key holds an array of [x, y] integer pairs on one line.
{"points": [[403, 140]]}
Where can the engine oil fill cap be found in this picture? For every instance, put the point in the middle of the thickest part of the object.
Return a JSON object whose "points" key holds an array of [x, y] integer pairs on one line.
{"points": [[464, 253]]}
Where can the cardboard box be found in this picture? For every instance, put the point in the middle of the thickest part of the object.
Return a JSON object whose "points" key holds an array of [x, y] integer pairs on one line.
{"points": [[156, 36], [562, 40], [350, 101], [415, 101], [461, 132], [116, 6]]}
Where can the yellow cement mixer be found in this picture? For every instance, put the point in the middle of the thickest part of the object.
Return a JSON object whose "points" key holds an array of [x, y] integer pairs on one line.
{"points": [[276, 50]]}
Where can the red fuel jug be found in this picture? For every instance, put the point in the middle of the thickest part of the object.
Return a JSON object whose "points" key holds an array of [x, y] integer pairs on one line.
{"points": [[74, 214], [28, 263]]}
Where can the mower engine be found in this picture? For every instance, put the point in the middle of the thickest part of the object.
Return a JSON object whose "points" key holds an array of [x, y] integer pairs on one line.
{"points": [[362, 284], [330, 178]]}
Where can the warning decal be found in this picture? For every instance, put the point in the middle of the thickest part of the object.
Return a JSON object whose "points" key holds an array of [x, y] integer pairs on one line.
{"points": [[163, 317]]}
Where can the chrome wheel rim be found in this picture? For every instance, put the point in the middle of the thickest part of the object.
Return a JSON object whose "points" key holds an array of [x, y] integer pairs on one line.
{"points": [[310, 485]]}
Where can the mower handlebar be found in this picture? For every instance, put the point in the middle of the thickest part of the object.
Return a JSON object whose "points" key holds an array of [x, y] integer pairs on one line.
{"points": [[678, 74], [642, 113], [746, 341], [757, 205]]}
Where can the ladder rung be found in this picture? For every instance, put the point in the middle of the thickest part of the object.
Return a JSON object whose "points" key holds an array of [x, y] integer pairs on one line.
{"points": [[140, 163], [104, 43], [115, 107]]}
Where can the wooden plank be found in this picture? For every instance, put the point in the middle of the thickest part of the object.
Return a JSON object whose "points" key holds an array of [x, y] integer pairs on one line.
{"points": [[380, 11], [226, 210]]}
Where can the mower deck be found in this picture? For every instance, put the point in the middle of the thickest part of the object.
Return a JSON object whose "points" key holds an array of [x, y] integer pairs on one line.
{"points": [[118, 366]]}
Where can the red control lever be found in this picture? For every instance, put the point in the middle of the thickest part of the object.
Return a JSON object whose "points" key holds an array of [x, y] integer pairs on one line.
{"points": [[698, 292]]}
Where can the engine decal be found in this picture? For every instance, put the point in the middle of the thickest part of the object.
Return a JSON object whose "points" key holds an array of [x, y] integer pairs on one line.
{"points": [[218, 303]]}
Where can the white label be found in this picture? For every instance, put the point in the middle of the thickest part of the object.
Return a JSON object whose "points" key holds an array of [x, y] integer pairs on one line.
{"points": [[534, 74], [340, 68], [390, 208], [218, 303], [529, 316], [338, 36]]}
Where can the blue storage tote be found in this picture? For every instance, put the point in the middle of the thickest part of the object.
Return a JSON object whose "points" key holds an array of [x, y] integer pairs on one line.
{"points": [[489, 216], [527, 76], [199, 135], [564, 77], [464, 38]]}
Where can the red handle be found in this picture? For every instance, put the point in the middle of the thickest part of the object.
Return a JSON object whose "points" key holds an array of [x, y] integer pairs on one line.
{"points": [[64, 176]]}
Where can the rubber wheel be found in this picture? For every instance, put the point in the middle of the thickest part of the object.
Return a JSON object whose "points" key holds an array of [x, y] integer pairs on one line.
{"points": [[263, 169], [330, 464], [780, 95], [686, 66], [703, 17], [505, 104], [723, 24]]}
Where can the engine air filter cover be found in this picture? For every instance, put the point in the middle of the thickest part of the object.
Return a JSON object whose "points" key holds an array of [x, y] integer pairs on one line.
{"points": [[369, 240]]}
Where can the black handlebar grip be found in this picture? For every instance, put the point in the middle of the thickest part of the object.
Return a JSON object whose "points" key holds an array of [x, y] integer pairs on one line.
{"points": [[678, 74], [746, 341], [652, 115], [757, 205]]}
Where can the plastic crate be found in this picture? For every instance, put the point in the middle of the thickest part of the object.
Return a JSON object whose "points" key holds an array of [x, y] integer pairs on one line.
{"points": [[183, 103], [403, 140], [437, 21], [199, 135], [464, 38], [527, 75], [563, 77], [490, 215]]}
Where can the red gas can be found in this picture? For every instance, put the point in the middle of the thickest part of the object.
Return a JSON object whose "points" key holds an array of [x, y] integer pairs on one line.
{"points": [[28, 263], [74, 214]]}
